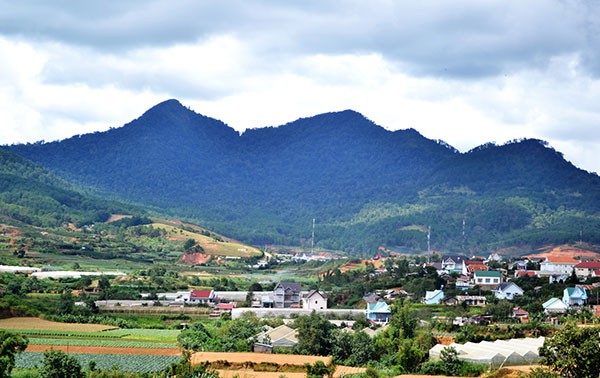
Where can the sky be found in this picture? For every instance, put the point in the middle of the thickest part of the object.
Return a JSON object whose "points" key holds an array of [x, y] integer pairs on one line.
{"points": [[466, 72]]}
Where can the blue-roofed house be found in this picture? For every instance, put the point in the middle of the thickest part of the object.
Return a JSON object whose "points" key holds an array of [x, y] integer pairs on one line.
{"points": [[574, 296], [379, 312], [434, 297]]}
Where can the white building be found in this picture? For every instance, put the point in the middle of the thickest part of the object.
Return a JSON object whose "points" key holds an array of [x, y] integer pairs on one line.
{"points": [[314, 300], [557, 265], [508, 290]]}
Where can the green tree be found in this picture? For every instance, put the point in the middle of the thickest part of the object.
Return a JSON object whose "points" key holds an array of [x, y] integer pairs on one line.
{"points": [[362, 349], [189, 245], [410, 355], [10, 345], [319, 369], [573, 352], [314, 335], [67, 302], [58, 364]]}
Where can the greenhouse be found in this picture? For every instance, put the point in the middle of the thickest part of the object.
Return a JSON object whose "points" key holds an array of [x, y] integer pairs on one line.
{"points": [[497, 353]]}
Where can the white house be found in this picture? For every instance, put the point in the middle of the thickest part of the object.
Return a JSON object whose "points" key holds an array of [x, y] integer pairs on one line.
{"points": [[508, 290], [202, 296], [433, 297], [574, 296], [557, 265], [586, 269], [314, 300], [287, 294], [488, 280], [454, 264]]}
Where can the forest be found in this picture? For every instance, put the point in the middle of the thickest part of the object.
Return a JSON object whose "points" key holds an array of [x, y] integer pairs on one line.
{"points": [[366, 186]]}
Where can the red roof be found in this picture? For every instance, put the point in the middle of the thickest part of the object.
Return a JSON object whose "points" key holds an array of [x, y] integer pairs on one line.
{"points": [[589, 265], [225, 306], [561, 259], [522, 273], [201, 294]]}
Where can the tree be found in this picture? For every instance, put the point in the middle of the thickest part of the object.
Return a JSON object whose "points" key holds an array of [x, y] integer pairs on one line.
{"points": [[10, 345], [319, 369], [573, 352], [314, 335], [58, 364], [189, 245], [67, 302]]}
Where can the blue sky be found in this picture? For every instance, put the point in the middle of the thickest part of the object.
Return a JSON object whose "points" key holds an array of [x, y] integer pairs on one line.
{"points": [[466, 72]]}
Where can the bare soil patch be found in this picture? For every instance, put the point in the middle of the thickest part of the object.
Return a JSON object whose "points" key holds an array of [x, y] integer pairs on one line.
{"points": [[117, 217], [104, 350], [46, 325], [241, 357]]}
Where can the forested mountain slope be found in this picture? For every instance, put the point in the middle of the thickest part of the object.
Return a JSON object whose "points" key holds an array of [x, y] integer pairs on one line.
{"points": [[30, 194], [365, 185]]}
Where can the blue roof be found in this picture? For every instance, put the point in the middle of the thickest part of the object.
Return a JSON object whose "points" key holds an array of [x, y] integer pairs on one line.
{"points": [[379, 307]]}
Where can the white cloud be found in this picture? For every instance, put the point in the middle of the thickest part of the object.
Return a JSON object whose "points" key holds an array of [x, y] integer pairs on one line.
{"points": [[465, 72]]}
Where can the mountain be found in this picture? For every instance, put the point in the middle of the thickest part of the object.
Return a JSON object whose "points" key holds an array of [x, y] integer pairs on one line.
{"points": [[30, 194], [365, 185]]}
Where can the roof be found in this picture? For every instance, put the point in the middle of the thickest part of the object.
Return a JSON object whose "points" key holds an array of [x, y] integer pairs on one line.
{"points": [[554, 303], [290, 285], [505, 285], [529, 273], [381, 307], [201, 294], [488, 273], [432, 294], [589, 265], [279, 333], [454, 258], [313, 292], [576, 293], [225, 306], [561, 259]]}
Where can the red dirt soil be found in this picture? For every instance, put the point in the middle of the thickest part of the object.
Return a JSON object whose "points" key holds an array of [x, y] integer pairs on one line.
{"points": [[104, 350]]}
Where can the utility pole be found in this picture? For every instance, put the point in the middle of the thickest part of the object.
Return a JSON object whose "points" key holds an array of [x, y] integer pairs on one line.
{"points": [[312, 239], [429, 240]]}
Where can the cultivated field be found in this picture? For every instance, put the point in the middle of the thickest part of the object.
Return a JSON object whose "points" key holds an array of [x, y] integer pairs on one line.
{"points": [[46, 325], [132, 350]]}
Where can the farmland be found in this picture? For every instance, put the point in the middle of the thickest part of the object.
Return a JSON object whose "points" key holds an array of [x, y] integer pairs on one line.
{"points": [[131, 350]]}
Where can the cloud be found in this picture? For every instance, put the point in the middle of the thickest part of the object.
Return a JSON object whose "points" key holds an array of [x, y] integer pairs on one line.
{"points": [[463, 71]]}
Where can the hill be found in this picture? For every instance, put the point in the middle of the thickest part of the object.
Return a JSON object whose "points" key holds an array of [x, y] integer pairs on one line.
{"points": [[365, 185]]}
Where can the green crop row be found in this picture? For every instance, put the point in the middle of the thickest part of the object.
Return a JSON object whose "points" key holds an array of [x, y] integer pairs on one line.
{"points": [[101, 343], [40, 332], [165, 335], [122, 362]]}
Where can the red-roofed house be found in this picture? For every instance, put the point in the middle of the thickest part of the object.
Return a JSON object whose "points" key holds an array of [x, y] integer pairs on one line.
{"points": [[585, 269], [473, 266], [202, 296], [557, 265], [525, 273]]}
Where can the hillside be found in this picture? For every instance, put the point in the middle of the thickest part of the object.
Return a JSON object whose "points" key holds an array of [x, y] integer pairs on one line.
{"points": [[365, 185], [46, 221]]}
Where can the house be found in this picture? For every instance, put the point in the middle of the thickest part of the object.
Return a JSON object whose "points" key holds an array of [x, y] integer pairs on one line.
{"points": [[314, 300], [202, 296], [378, 312], [586, 269], [468, 300], [557, 265], [282, 337], [554, 306], [454, 264], [475, 265], [508, 290], [433, 297], [488, 280], [526, 273], [520, 314], [287, 294], [463, 282], [574, 296]]}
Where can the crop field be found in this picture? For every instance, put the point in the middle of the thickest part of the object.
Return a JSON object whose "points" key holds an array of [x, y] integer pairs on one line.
{"points": [[140, 334], [38, 324], [124, 362], [99, 342]]}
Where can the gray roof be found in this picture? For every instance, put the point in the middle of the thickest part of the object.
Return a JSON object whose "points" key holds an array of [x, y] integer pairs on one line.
{"points": [[290, 285]]}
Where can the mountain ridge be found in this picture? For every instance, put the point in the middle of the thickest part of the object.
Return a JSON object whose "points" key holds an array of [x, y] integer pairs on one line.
{"points": [[264, 185]]}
